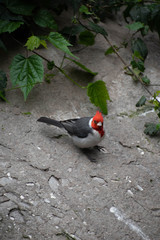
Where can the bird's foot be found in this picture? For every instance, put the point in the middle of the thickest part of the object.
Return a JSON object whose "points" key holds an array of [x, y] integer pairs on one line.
{"points": [[101, 149]]}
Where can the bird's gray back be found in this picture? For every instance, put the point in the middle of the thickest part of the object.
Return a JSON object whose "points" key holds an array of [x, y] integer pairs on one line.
{"points": [[79, 127]]}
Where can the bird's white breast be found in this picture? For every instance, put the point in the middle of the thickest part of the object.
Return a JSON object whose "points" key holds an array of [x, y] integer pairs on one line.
{"points": [[90, 141]]}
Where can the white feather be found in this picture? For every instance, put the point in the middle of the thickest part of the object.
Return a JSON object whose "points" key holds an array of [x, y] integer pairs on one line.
{"points": [[90, 141]]}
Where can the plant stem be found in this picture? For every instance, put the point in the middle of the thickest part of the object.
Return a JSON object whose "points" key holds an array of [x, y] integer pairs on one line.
{"points": [[126, 66], [122, 60], [59, 68], [66, 75]]}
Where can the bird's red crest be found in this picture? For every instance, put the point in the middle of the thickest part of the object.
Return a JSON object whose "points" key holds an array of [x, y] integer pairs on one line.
{"points": [[98, 117]]}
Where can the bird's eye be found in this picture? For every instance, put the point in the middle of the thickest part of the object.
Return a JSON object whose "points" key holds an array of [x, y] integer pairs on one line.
{"points": [[95, 121]]}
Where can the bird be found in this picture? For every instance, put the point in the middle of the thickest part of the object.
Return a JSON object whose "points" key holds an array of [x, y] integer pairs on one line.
{"points": [[86, 132]]}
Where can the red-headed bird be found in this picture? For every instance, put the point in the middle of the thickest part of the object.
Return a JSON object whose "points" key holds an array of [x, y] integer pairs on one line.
{"points": [[86, 132]]}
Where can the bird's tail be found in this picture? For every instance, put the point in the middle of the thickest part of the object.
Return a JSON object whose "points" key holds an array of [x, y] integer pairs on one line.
{"points": [[50, 121]]}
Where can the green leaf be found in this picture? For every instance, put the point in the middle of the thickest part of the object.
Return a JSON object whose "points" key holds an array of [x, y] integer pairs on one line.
{"points": [[141, 101], [3, 46], [145, 30], [139, 65], [151, 129], [43, 43], [2, 96], [60, 42], [50, 65], [44, 18], [135, 26], [34, 42], [137, 55], [82, 66], [146, 80], [98, 94], [7, 26], [140, 13], [3, 84], [140, 46], [9, 16], [26, 113], [137, 72], [86, 38], [111, 50], [26, 72], [20, 7], [97, 29], [156, 19], [84, 9], [158, 126]]}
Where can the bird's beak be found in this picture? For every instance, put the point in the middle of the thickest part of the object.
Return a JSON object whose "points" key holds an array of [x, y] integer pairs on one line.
{"points": [[99, 124]]}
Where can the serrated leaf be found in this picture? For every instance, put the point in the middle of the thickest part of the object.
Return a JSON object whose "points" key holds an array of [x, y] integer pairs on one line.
{"points": [[86, 38], [98, 94], [97, 29], [8, 26], [60, 42], [84, 9], [43, 43], [26, 72], [34, 42], [82, 66], [20, 7], [44, 18], [140, 46], [111, 50], [146, 80], [151, 129], [141, 101], [135, 26], [139, 65]]}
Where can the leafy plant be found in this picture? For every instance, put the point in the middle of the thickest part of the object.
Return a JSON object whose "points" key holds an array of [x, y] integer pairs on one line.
{"points": [[151, 128], [26, 72]]}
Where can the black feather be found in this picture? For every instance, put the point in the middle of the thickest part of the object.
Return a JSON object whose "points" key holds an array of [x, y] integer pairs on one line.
{"points": [[50, 121], [78, 126]]}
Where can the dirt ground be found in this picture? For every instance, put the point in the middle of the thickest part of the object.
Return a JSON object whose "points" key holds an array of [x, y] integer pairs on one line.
{"points": [[49, 189]]}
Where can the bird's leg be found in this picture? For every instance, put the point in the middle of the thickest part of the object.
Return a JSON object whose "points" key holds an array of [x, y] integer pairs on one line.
{"points": [[88, 152], [100, 149]]}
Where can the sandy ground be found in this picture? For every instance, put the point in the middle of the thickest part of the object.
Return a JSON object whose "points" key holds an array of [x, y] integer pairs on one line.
{"points": [[49, 189]]}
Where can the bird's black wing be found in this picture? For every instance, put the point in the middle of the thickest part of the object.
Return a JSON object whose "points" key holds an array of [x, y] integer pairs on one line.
{"points": [[78, 126]]}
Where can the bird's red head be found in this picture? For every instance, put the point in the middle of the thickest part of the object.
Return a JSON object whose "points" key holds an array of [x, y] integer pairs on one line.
{"points": [[97, 123]]}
